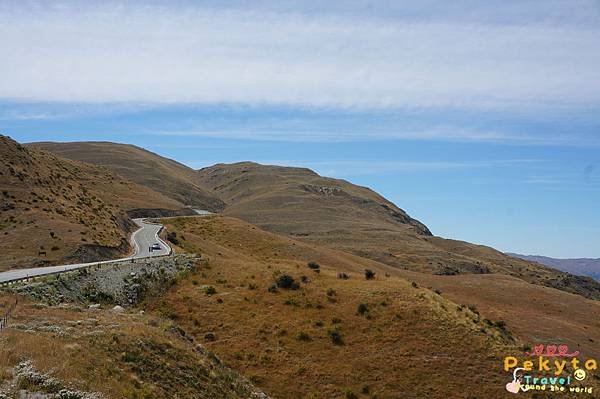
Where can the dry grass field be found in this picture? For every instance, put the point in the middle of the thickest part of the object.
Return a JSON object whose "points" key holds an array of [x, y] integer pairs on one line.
{"points": [[121, 355], [331, 337], [534, 313]]}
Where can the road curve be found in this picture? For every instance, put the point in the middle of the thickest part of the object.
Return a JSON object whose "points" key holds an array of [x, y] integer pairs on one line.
{"points": [[141, 240]]}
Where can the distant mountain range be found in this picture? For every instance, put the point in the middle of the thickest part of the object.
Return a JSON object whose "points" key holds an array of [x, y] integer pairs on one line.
{"points": [[582, 266]]}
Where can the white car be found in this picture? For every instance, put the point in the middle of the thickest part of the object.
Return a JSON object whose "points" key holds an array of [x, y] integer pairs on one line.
{"points": [[154, 247]]}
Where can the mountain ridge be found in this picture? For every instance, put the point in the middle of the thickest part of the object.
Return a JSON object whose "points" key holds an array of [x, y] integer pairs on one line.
{"points": [[299, 203], [580, 266]]}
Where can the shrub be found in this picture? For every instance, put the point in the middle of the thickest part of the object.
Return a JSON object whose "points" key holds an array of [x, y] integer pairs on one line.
{"points": [[287, 282], [343, 276], [350, 395], [172, 236], [303, 336], [272, 288], [314, 265], [336, 320], [210, 337], [362, 308], [414, 285], [210, 290], [55, 248], [291, 302], [331, 292], [335, 337], [369, 274]]}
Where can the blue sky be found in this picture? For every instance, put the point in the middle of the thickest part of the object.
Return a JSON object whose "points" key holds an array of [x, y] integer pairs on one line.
{"points": [[481, 119]]}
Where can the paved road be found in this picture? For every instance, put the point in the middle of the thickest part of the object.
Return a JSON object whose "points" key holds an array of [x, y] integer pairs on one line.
{"points": [[141, 241]]}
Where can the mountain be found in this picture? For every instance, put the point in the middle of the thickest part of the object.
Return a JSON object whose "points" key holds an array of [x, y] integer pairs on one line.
{"points": [[579, 266], [299, 203], [143, 167], [56, 210]]}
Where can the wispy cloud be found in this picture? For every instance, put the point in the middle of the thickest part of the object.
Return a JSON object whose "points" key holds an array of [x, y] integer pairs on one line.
{"points": [[346, 168], [76, 52], [436, 133]]}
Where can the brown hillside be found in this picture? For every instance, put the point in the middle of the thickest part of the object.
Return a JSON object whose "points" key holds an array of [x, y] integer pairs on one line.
{"points": [[404, 341], [69, 210], [107, 355], [299, 203], [166, 176], [301, 196]]}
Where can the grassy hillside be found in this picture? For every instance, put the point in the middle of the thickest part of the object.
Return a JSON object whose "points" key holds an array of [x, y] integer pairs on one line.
{"points": [[55, 210], [308, 202], [331, 337], [166, 176], [114, 354], [299, 203]]}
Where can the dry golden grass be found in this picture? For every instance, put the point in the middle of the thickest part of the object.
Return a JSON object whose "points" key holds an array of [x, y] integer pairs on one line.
{"points": [[56, 206], [411, 343], [172, 179], [534, 313], [127, 355], [299, 203]]}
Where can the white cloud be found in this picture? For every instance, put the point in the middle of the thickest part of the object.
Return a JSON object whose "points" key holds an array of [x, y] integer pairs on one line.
{"points": [[188, 54], [353, 167]]}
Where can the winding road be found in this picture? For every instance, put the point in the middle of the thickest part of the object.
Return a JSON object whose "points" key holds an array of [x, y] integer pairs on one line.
{"points": [[141, 240]]}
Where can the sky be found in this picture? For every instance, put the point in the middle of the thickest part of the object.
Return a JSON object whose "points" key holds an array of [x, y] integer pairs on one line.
{"points": [[481, 119]]}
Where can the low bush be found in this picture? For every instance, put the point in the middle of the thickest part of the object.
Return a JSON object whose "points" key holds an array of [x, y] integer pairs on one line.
{"points": [[336, 337], [362, 308], [303, 336], [210, 290], [314, 265], [172, 237], [369, 274], [287, 282]]}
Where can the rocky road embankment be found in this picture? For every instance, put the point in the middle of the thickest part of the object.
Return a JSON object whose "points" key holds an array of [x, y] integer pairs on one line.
{"points": [[123, 283]]}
